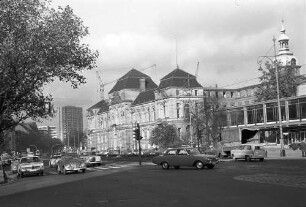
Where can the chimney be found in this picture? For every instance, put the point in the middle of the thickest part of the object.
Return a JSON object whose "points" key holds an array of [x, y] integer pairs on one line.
{"points": [[142, 84]]}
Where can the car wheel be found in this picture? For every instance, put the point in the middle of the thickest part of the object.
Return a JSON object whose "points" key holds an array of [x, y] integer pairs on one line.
{"points": [[83, 170], [233, 157], [261, 159], [210, 166], [165, 165], [65, 172], [177, 167], [247, 158], [199, 165], [21, 175]]}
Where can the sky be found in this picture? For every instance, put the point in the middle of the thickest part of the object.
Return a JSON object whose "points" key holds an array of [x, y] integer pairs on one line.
{"points": [[225, 36]]}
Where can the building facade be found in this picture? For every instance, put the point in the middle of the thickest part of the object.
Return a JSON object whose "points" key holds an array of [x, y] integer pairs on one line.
{"points": [[49, 130], [137, 99]]}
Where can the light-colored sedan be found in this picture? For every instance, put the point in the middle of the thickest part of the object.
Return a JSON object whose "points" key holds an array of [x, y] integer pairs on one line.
{"points": [[69, 163], [30, 165], [249, 152], [93, 160], [176, 157]]}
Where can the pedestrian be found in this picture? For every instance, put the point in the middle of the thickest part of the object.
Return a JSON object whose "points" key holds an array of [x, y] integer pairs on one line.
{"points": [[303, 148]]}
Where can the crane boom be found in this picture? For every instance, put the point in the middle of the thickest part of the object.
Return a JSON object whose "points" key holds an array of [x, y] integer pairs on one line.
{"points": [[101, 86], [197, 70]]}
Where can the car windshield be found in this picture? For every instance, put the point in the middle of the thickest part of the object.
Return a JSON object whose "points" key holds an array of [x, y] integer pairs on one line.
{"points": [[30, 159], [193, 151]]}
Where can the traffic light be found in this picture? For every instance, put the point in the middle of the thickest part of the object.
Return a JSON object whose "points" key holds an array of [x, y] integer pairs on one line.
{"points": [[136, 132]]}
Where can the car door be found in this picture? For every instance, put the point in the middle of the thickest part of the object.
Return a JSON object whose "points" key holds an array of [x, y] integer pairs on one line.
{"points": [[183, 158], [170, 157], [259, 152]]}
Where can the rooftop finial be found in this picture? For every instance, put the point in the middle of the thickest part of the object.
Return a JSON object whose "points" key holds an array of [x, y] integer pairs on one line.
{"points": [[283, 27]]}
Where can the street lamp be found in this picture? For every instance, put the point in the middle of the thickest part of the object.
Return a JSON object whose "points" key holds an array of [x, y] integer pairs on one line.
{"points": [[274, 64]]}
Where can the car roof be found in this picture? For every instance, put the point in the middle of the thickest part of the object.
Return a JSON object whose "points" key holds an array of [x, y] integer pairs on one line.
{"points": [[176, 148]]}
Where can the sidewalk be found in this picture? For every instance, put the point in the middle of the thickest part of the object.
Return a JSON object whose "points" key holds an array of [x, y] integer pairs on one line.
{"points": [[274, 153]]}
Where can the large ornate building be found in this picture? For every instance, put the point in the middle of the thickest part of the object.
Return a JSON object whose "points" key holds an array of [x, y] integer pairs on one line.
{"points": [[135, 98]]}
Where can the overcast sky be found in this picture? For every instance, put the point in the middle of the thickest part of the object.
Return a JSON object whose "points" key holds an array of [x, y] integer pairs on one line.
{"points": [[225, 36]]}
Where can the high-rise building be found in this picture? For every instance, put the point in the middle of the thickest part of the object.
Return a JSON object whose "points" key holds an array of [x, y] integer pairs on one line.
{"points": [[72, 125], [50, 130]]}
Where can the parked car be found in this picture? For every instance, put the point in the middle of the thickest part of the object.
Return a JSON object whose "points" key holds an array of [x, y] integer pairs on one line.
{"points": [[249, 152], [30, 165], [53, 160], [70, 163], [176, 157], [93, 160]]}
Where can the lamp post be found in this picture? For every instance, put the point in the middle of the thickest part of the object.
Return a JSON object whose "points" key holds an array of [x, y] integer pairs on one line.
{"points": [[274, 64]]}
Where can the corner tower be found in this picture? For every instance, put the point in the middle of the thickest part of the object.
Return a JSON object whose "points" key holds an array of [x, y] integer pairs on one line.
{"points": [[285, 56]]}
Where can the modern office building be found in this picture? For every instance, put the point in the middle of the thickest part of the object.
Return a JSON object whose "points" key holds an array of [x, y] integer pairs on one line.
{"points": [[71, 125], [50, 130]]}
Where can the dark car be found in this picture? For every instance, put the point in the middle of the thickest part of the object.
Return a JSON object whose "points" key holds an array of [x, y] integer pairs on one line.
{"points": [[176, 157]]}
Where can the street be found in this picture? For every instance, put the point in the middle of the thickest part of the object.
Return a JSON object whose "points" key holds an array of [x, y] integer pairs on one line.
{"points": [[270, 183]]}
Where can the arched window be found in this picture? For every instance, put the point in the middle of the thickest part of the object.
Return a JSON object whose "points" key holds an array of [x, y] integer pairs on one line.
{"points": [[293, 62]]}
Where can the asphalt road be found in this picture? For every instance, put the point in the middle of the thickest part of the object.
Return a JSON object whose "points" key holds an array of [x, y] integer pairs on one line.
{"points": [[271, 183]]}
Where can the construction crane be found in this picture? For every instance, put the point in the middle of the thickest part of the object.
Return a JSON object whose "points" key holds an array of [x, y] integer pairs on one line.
{"points": [[101, 84], [197, 70]]}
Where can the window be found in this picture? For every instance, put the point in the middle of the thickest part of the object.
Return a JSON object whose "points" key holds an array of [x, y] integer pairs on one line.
{"points": [[255, 114], [177, 92], [171, 152], [177, 110], [293, 107], [196, 92], [182, 152], [187, 113]]}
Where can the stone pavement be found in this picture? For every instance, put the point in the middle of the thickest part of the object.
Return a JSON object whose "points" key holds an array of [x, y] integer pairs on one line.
{"points": [[275, 179]]}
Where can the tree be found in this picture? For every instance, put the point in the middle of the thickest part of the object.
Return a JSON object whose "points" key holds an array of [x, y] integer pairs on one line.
{"points": [[207, 121], [287, 78], [38, 45], [165, 135]]}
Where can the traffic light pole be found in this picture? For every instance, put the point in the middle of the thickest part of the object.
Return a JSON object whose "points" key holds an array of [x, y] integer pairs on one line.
{"points": [[139, 151]]}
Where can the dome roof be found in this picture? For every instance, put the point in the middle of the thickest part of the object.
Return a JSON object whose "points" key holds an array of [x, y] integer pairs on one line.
{"points": [[131, 81], [179, 78]]}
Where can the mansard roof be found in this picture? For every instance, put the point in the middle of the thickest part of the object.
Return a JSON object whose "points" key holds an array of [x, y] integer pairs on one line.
{"points": [[179, 78], [131, 81], [144, 97], [102, 106]]}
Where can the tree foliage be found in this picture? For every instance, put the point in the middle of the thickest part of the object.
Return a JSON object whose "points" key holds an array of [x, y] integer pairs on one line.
{"points": [[288, 82], [165, 135], [38, 45], [207, 121]]}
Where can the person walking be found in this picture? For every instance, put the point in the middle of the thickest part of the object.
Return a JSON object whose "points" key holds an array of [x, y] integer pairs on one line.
{"points": [[303, 148]]}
